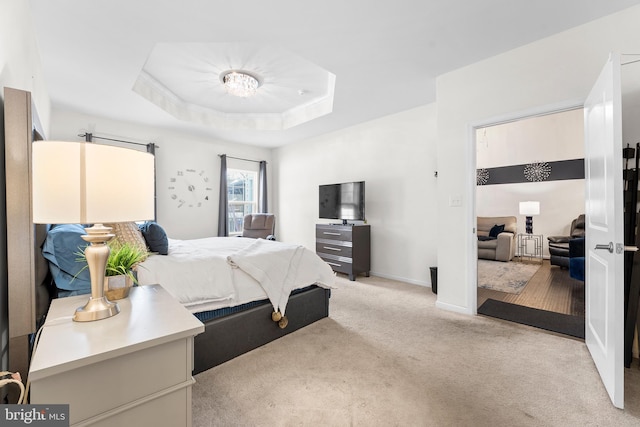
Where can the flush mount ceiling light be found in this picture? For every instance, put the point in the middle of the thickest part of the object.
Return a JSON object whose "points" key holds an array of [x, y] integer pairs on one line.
{"points": [[187, 80], [240, 83]]}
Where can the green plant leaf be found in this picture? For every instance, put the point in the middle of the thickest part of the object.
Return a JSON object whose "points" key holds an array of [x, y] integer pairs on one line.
{"points": [[123, 259]]}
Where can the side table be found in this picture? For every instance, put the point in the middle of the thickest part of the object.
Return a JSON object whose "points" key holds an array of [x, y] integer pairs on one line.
{"points": [[530, 246], [132, 369]]}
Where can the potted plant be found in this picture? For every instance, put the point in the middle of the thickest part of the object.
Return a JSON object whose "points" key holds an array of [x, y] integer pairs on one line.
{"points": [[120, 271]]}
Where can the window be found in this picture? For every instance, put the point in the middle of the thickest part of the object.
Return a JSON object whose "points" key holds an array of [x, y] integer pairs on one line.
{"points": [[242, 193]]}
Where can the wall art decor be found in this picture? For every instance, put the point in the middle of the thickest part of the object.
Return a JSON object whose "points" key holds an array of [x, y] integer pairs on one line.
{"points": [[513, 174], [482, 176], [537, 171]]}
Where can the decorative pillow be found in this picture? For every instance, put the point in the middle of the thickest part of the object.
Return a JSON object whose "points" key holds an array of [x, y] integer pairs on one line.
{"points": [[495, 230], [128, 232], [61, 248], [156, 237]]}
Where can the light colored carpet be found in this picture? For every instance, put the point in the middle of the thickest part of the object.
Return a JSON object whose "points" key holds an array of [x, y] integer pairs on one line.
{"points": [[509, 277], [387, 356]]}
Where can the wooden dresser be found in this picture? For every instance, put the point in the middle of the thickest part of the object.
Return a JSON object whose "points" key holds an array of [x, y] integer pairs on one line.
{"points": [[132, 369], [346, 248]]}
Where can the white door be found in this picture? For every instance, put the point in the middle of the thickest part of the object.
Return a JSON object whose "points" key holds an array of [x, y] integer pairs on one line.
{"points": [[604, 277]]}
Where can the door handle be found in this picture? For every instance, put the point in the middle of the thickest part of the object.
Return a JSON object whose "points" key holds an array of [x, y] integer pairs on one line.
{"points": [[608, 247]]}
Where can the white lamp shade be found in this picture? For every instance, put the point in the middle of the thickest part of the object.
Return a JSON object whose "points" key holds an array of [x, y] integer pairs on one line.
{"points": [[87, 183], [529, 208]]}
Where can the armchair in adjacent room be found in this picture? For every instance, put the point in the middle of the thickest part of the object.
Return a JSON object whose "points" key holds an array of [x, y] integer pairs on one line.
{"points": [[559, 245], [576, 258], [259, 225], [497, 237]]}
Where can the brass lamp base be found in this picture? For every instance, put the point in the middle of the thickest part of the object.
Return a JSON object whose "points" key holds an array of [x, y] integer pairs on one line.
{"points": [[98, 307]]}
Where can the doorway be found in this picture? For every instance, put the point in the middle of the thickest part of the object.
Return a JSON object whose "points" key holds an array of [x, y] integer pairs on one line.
{"points": [[539, 160]]}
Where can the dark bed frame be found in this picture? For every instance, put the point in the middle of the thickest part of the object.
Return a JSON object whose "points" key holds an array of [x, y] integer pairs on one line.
{"points": [[230, 336]]}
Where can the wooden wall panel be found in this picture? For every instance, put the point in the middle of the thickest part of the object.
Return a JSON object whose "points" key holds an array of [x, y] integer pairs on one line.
{"points": [[20, 230]]}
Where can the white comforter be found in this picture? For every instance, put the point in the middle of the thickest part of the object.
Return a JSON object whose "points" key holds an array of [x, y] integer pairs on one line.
{"points": [[210, 273]]}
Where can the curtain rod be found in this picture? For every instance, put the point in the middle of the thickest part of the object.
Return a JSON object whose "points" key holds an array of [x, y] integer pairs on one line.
{"points": [[240, 158], [89, 137], [631, 62]]}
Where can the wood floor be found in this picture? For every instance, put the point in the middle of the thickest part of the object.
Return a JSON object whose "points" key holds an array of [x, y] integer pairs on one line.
{"points": [[549, 289]]}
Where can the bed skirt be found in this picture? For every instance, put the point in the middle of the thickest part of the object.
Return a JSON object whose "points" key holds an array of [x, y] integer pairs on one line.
{"points": [[230, 336]]}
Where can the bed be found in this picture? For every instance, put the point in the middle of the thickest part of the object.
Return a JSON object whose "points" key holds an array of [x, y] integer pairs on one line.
{"points": [[247, 292]]}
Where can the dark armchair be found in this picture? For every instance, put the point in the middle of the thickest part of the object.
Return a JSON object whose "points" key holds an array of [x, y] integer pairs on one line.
{"points": [[576, 258], [559, 245], [259, 226]]}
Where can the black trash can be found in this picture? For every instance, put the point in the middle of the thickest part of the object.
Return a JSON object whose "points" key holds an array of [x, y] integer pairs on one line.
{"points": [[434, 279]]}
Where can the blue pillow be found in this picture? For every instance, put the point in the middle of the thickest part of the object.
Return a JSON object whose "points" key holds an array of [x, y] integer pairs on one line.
{"points": [[61, 249], [495, 230], [155, 236]]}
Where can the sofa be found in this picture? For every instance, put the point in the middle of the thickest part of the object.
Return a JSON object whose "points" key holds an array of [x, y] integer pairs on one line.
{"points": [[497, 237], [559, 245]]}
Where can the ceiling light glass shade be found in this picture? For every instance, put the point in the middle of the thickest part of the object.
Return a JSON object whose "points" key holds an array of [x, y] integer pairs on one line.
{"points": [[240, 84]]}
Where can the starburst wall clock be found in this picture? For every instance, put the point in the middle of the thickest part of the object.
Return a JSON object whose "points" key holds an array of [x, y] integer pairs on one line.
{"points": [[189, 188]]}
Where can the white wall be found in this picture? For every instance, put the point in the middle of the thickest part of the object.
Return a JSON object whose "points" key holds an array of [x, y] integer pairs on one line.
{"points": [[19, 58], [557, 70], [631, 100], [176, 151], [20, 69], [395, 155], [549, 138]]}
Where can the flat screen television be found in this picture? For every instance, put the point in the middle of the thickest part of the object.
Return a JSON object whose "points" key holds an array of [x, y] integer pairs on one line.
{"points": [[343, 201]]}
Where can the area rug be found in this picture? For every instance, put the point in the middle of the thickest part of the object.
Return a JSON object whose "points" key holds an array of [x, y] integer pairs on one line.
{"points": [[509, 277], [548, 320]]}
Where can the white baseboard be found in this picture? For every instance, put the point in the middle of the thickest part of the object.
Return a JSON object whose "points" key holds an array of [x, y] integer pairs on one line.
{"points": [[401, 279], [439, 304], [455, 308]]}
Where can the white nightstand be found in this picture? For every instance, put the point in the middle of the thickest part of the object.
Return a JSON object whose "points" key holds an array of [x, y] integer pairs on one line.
{"points": [[131, 369]]}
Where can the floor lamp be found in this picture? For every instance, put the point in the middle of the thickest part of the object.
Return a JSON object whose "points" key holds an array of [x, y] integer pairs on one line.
{"points": [[87, 183]]}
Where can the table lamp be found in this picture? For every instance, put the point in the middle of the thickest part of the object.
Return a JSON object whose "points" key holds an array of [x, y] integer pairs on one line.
{"points": [[529, 209], [88, 183]]}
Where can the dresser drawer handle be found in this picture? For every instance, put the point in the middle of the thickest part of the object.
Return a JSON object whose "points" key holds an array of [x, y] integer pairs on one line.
{"points": [[333, 263], [332, 249], [330, 233]]}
